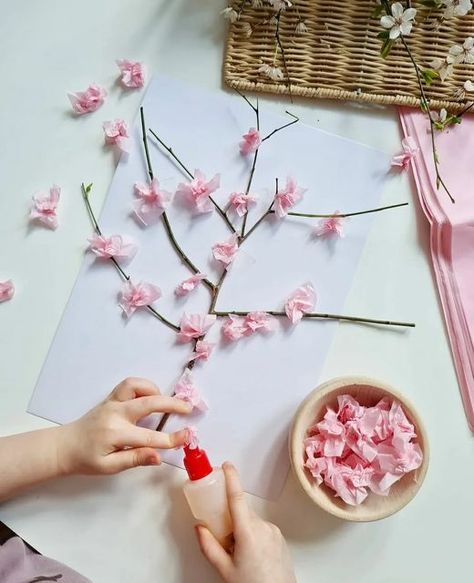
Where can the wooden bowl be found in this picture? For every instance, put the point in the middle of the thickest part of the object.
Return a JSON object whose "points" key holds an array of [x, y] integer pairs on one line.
{"points": [[367, 392]]}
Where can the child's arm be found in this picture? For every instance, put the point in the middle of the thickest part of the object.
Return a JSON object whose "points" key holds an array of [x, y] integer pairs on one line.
{"points": [[106, 440]]}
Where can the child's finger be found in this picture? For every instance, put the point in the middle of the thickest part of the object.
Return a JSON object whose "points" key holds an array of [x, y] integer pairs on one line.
{"points": [[138, 408], [142, 437], [130, 458], [133, 387], [214, 552], [238, 507]]}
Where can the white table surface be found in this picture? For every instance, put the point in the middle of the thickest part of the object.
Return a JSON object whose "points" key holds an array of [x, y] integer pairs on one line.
{"points": [[135, 527]]}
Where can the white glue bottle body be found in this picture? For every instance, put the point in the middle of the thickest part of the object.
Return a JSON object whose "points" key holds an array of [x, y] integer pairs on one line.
{"points": [[206, 494]]}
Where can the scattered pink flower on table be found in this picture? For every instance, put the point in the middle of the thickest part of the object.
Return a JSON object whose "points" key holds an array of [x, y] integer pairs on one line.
{"points": [[410, 149], [202, 351], [87, 101], [240, 202], [186, 390], [234, 328], [250, 142], [113, 246], [44, 209], [137, 295], [194, 326], [357, 449], [287, 198], [152, 201], [330, 226], [198, 190], [301, 301], [192, 440], [225, 251], [132, 73], [260, 322], [7, 290], [189, 284], [116, 134]]}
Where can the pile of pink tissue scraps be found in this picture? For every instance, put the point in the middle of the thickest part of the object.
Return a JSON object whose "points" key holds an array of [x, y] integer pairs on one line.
{"points": [[356, 449]]}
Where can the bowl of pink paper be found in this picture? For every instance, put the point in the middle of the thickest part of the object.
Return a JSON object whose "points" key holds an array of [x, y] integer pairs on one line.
{"points": [[367, 392]]}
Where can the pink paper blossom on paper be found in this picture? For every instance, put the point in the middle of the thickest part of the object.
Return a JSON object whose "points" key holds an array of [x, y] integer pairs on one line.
{"points": [[251, 141], [234, 328], [186, 390], [225, 251], [198, 190], [409, 151], [194, 326], [202, 351], [87, 101], [260, 322], [137, 295], [189, 284], [132, 73], [287, 198], [152, 201], [44, 209], [301, 301], [113, 246], [7, 290], [240, 202], [330, 226], [116, 134], [192, 440]]}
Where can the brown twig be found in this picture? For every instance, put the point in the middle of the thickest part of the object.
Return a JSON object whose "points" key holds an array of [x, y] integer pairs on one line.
{"points": [[278, 40], [346, 215]]}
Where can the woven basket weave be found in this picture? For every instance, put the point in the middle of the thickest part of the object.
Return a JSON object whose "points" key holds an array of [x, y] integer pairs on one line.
{"points": [[339, 56]]}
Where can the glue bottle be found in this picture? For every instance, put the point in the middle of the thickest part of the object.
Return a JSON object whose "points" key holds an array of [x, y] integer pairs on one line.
{"points": [[206, 494]]}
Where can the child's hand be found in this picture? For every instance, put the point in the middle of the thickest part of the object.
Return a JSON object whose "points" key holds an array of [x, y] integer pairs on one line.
{"points": [[260, 554], [106, 440]]}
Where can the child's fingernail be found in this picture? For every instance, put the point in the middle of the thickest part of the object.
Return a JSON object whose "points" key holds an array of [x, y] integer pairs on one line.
{"points": [[228, 465], [152, 461]]}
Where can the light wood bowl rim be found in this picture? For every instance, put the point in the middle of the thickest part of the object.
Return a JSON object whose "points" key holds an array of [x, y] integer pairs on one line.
{"points": [[318, 494]]}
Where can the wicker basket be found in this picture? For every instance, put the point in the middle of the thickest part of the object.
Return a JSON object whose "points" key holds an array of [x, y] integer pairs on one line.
{"points": [[339, 56]]}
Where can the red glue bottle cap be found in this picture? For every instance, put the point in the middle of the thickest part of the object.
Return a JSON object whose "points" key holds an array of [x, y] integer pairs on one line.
{"points": [[197, 463]]}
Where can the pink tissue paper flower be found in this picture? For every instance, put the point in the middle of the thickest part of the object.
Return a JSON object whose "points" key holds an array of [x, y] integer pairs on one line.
{"points": [[7, 290], [152, 201], [132, 73], [87, 101], [356, 449], [236, 327], [202, 351], [113, 246], [225, 251], [410, 149], [260, 322], [194, 326], [251, 141], [301, 301], [240, 202], [330, 226], [186, 390], [198, 190], [44, 208], [192, 440], [116, 134], [287, 198], [137, 295], [189, 284]]}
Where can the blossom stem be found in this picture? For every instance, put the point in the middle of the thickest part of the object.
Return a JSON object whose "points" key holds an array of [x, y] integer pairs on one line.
{"points": [[252, 171], [426, 106], [118, 267], [285, 66], [264, 216], [321, 316], [345, 215], [191, 175], [295, 120]]}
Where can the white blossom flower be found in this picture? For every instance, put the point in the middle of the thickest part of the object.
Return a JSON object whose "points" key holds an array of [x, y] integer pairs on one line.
{"points": [[247, 29], [257, 3], [442, 67], [440, 117], [230, 14], [278, 5], [462, 53], [469, 86], [456, 7], [301, 27], [272, 72], [400, 22]]}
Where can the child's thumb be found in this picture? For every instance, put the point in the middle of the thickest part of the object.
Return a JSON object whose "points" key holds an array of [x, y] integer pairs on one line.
{"points": [[131, 458]]}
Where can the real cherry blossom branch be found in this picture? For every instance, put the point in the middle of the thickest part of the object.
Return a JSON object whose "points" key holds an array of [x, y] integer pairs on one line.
{"points": [[322, 316], [344, 215], [285, 66], [85, 195], [252, 170], [191, 175], [295, 120], [164, 216]]}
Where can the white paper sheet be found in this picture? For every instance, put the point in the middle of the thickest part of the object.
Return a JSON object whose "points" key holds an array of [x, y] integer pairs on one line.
{"points": [[253, 387]]}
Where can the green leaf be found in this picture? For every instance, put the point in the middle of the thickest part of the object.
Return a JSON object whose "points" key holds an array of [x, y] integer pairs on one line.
{"points": [[384, 35], [88, 188], [431, 3], [429, 75], [386, 48], [377, 12], [438, 183]]}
